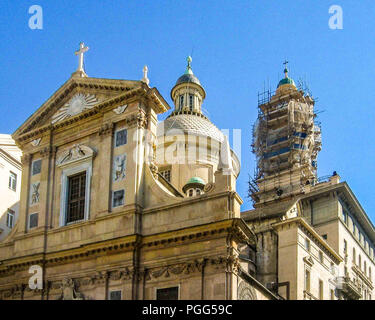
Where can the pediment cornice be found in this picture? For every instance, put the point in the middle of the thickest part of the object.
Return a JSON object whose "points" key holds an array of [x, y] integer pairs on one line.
{"points": [[124, 89]]}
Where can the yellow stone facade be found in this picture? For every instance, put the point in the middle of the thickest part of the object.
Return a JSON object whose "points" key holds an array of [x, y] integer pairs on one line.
{"points": [[128, 207], [158, 237]]}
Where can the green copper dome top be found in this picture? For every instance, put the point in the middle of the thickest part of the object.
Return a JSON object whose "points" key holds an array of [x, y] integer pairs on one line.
{"points": [[286, 80], [196, 180]]}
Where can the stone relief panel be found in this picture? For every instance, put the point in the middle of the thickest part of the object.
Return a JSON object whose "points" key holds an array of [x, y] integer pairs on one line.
{"points": [[120, 109], [77, 153], [34, 198], [79, 103], [246, 292], [69, 292], [119, 167]]}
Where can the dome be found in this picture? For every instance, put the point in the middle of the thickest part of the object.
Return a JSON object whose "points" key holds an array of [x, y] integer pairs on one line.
{"points": [[191, 124], [196, 180], [188, 78], [286, 80]]}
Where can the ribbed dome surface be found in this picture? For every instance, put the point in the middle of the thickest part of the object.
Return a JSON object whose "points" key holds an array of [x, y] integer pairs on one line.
{"points": [[190, 124], [188, 78]]}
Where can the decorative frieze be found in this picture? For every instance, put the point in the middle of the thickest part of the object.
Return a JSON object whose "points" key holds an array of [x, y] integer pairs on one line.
{"points": [[106, 129], [25, 159]]}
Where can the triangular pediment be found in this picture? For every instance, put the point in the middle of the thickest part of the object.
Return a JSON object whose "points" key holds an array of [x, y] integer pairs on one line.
{"points": [[75, 96]]}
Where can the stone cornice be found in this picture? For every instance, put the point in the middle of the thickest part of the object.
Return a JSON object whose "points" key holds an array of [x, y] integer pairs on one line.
{"points": [[188, 200], [233, 227], [300, 222], [10, 159], [113, 245], [67, 88], [28, 131]]}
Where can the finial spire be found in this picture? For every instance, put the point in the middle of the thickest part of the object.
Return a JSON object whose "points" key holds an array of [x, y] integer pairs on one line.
{"points": [[189, 59], [145, 79], [286, 68], [82, 49]]}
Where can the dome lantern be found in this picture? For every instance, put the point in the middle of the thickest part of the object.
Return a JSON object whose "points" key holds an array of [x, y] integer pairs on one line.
{"points": [[286, 80], [188, 93]]}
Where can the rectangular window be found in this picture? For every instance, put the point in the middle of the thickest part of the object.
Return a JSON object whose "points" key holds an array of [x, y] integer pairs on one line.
{"points": [[167, 293], [121, 137], [12, 181], [33, 220], [115, 295], [324, 236], [76, 197], [321, 290], [118, 198], [345, 247], [345, 216], [321, 256], [181, 101], [10, 218], [36, 167], [307, 244], [365, 268], [333, 269], [307, 281], [166, 175]]}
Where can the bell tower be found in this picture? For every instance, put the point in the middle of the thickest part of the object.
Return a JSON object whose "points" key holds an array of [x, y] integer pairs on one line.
{"points": [[286, 142]]}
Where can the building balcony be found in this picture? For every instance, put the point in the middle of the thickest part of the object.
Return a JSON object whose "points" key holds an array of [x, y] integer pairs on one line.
{"points": [[348, 288]]}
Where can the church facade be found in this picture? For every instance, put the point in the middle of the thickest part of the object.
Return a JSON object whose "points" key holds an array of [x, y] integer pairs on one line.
{"points": [[105, 214], [117, 205]]}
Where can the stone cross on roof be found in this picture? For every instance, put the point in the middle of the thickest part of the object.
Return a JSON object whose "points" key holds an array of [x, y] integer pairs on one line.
{"points": [[82, 49]]}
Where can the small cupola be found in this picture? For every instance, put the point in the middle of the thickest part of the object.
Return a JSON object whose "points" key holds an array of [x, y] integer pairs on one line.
{"points": [[188, 93], [286, 80], [194, 187]]}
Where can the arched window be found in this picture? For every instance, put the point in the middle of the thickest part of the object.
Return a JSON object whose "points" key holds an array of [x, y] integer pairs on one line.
{"points": [[360, 262], [354, 256], [181, 101], [191, 102]]}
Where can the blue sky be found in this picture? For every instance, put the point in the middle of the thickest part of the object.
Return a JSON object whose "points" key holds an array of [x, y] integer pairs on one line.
{"points": [[237, 46]]}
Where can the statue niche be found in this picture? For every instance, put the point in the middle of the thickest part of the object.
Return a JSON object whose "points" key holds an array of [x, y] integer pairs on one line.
{"points": [[68, 291]]}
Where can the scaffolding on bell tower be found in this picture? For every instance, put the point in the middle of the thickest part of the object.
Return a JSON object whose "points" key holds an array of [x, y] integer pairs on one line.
{"points": [[286, 141]]}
